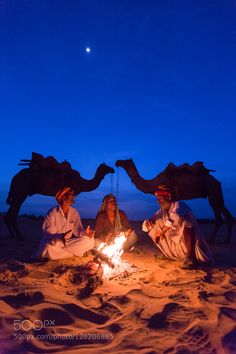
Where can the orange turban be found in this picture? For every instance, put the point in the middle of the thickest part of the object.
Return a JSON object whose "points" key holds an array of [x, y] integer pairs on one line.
{"points": [[62, 192]]}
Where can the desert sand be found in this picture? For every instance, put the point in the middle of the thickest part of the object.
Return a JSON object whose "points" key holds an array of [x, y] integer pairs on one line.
{"points": [[159, 308]]}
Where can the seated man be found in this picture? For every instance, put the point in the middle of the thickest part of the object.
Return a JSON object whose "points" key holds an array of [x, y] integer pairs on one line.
{"points": [[175, 231], [110, 221], [63, 232]]}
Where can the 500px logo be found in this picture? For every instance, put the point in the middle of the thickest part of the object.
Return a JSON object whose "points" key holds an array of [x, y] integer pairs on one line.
{"points": [[27, 325]]}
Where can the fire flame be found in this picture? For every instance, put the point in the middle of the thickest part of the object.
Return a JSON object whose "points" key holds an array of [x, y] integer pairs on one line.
{"points": [[114, 251]]}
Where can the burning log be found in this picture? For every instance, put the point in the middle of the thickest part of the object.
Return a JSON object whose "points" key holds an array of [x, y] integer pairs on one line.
{"points": [[101, 257], [109, 254]]}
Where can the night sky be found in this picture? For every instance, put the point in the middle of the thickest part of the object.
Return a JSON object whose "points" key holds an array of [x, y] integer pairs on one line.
{"points": [[158, 85]]}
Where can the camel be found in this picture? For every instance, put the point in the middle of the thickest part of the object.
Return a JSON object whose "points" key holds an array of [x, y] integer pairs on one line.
{"points": [[188, 182], [46, 177]]}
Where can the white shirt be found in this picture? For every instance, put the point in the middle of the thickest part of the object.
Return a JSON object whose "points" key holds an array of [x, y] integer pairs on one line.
{"points": [[56, 223]]}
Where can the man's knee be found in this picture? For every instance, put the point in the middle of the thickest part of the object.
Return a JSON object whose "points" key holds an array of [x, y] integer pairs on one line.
{"points": [[97, 242], [91, 242], [131, 240], [133, 237]]}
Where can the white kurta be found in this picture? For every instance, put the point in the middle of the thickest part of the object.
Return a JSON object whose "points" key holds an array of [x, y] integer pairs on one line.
{"points": [[173, 244], [55, 225]]}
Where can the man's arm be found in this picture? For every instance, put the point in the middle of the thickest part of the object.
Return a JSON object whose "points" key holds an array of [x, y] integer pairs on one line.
{"points": [[155, 227], [125, 224]]}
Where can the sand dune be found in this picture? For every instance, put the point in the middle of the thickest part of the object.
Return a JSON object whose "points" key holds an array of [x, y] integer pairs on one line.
{"points": [[159, 308]]}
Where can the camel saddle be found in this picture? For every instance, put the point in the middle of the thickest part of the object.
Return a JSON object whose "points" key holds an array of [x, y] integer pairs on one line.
{"points": [[197, 167], [39, 161]]}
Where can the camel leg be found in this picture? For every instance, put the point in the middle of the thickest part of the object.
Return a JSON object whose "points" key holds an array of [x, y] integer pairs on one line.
{"points": [[230, 222], [9, 225], [12, 227], [216, 200], [11, 221], [19, 237], [218, 223]]}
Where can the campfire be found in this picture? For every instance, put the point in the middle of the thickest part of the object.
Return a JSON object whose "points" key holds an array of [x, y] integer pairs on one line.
{"points": [[111, 265], [110, 257]]}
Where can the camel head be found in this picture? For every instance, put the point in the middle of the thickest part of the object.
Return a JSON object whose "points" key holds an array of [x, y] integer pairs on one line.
{"points": [[125, 163], [103, 169]]}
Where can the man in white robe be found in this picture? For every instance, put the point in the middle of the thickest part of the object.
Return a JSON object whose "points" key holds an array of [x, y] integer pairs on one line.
{"points": [[175, 231], [63, 232]]}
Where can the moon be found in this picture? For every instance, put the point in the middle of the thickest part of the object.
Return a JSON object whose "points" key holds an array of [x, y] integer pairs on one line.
{"points": [[88, 50]]}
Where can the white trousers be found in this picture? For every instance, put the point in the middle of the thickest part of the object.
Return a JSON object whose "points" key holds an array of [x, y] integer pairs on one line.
{"points": [[57, 250]]}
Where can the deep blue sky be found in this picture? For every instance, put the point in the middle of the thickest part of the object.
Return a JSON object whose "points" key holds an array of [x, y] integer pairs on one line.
{"points": [[158, 86]]}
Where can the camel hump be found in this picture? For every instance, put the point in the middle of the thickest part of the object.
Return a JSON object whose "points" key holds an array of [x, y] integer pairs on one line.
{"points": [[65, 165], [39, 161], [196, 167], [36, 157]]}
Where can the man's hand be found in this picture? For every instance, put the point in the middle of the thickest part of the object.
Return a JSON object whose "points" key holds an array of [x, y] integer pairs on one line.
{"points": [[128, 232], [89, 232], [161, 234], [149, 224], [164, 229], [66, 235]]}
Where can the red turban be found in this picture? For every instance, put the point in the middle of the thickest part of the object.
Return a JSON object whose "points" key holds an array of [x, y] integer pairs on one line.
{"points": [[62, 192], [163, 191]]}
